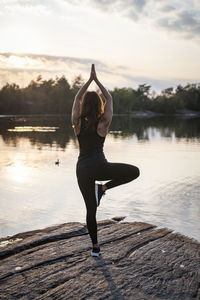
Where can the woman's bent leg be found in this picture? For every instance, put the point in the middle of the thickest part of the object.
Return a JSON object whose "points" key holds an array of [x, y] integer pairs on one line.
{"points": [[118, 174], [87, 187]]}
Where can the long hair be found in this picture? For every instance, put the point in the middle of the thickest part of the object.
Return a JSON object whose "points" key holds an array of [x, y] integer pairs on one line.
{"points": [[91, 109]]}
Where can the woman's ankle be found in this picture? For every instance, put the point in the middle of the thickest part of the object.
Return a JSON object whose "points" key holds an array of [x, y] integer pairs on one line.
{"points": [[104, 187], [96, 245]]}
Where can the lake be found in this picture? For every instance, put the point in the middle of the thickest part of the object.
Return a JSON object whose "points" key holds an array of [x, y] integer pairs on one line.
{"points": [[35, 192]]}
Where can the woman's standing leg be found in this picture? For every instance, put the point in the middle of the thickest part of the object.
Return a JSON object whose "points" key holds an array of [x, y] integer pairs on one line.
{"points": [[87, 186]]}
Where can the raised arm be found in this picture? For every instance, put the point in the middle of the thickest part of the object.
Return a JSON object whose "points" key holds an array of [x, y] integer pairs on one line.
{"points": [[108, 107], [77, 101]]}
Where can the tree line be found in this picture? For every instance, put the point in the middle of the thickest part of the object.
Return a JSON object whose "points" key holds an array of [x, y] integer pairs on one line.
{"points": [[55, 96]]}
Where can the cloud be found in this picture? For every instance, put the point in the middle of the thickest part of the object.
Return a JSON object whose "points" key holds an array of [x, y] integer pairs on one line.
{"points": [[138, 5], [167, 8], [17, 6], [6, 4], [22, 68], [177, 16], [44, 62], [124, 7], [185, 22]]}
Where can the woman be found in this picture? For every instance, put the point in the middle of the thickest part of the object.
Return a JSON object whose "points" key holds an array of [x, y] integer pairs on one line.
{"points": [[91, 120]]}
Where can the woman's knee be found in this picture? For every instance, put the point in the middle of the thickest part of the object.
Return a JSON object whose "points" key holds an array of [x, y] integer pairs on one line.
{"points": [[135, 172]]}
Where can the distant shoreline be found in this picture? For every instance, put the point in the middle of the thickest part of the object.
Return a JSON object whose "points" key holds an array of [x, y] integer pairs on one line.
{"points": [[137, 113]]}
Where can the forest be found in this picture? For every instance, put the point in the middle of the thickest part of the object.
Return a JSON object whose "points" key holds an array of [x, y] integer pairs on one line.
{"points": [[55, 96]]}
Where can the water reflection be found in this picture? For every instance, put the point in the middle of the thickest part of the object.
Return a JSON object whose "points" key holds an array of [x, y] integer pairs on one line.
{"points": [[51, 131], [35, 192], [57, 131], [146, 128], [17, 171], [33, 128]]}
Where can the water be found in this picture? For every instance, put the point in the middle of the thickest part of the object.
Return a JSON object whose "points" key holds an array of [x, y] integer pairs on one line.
{"points": [[35, 192]]}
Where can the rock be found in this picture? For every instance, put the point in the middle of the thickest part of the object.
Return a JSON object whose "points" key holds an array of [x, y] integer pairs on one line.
{"points": [[138, 261], [118, 219]]}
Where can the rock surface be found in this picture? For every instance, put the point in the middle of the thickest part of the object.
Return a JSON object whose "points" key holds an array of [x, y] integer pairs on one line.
{"points": [[138, 261]]}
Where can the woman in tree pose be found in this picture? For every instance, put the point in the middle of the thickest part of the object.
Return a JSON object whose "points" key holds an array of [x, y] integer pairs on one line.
{"points": [[91, 120]]}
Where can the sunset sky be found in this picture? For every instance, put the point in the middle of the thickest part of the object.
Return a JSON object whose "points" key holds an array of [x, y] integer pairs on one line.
{"points": [[156, 42]]}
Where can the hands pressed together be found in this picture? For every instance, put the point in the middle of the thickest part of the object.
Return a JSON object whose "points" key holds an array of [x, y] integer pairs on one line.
{"points": [[93, 75]]}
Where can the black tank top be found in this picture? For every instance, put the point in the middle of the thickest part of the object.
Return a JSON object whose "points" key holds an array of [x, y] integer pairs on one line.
{"points": [[90, 145]]}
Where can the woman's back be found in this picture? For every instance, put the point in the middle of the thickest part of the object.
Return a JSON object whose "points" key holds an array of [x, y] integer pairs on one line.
{"points": [[90, 144]]}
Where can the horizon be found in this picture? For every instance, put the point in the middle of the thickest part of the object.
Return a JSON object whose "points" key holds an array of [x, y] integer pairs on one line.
{"points": [[94, 87]]}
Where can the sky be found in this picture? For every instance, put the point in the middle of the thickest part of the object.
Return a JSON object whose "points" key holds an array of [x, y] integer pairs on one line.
{"points": [[131, 42]]}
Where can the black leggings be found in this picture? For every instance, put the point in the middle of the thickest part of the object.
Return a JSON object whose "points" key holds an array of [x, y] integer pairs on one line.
{"points": [[117, 173]]}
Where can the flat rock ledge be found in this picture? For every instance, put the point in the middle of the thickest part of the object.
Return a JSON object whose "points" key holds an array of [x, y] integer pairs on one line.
{"points": [[138, 261]]}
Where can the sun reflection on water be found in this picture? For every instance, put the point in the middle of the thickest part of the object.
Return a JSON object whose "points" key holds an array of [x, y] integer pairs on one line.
{"points": [[34, 128], [18, 172]]}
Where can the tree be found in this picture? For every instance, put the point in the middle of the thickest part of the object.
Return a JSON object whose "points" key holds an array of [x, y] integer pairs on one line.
{"points": [[77, 83], [168, 92], [56, 96]]}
